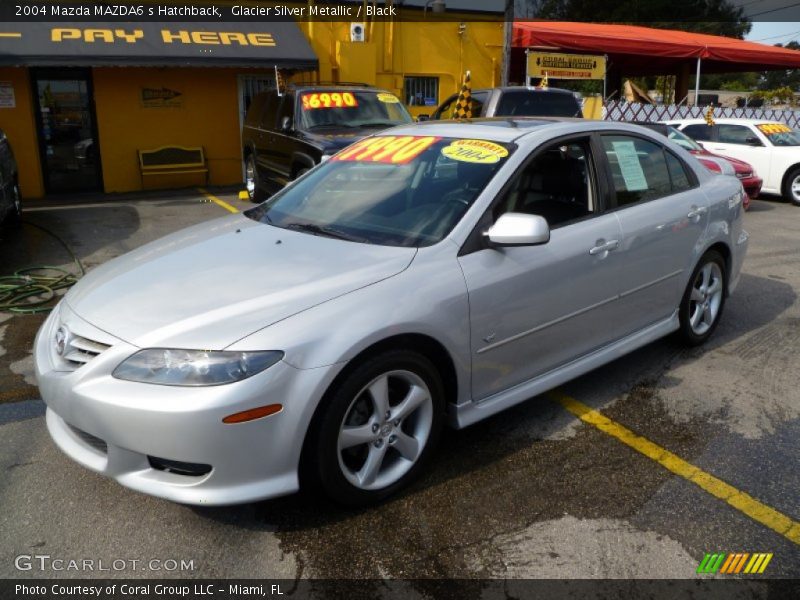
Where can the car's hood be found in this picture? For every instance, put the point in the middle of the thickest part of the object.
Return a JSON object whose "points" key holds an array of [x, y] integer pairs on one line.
{"points": [[215, 283], [739, 165], [334, 139]]}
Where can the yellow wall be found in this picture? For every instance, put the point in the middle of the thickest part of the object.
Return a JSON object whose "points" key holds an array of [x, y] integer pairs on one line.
{"points": [[20, 127], [208, 116], [424, 48]]}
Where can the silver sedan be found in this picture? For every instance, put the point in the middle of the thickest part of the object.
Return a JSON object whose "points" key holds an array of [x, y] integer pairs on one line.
{"points": [[435, 273]]}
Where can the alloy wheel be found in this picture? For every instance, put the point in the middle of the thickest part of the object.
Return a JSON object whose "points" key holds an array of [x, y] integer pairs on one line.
{"points": [[706, 298], [794, 188], [385, 430], [250, 177]]}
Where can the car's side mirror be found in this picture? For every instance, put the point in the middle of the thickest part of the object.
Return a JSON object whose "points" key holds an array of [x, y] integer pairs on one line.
{"points": [[519, 229], [286, 124], [753, 141]]}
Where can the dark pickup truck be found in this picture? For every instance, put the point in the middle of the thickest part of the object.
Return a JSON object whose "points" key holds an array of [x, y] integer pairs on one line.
{"points": [[285, 136]]}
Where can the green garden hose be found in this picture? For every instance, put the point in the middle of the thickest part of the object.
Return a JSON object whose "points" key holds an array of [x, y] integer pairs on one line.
{"points": [[32, 289]]}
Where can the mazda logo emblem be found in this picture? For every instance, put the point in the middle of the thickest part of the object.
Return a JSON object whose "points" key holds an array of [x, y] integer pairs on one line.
{"points": [[61, 340]]}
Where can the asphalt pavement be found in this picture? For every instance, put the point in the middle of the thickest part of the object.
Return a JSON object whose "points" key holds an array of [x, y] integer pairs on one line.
{"points": [[535, 492]]}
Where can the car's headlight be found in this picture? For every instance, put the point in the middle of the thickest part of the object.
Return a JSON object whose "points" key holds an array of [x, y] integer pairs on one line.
{"points": [[194, 367]]}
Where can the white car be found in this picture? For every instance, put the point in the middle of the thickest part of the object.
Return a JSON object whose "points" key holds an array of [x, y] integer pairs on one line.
{"points": [[773, 149]]}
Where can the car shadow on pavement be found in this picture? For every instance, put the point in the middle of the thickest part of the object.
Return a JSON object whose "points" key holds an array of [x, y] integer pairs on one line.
{"points": [[531, 463]]}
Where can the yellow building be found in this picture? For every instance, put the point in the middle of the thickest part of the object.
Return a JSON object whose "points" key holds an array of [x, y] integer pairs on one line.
{"points": [[79, 100]]}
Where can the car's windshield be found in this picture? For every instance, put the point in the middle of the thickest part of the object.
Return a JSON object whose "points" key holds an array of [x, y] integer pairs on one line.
{"points": [[779, 134], [388, 190], [350, 109], [683, 140]]}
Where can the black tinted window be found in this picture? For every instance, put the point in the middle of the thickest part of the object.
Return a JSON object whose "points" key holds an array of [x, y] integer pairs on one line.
{"points": [[701, 131], [735, 134], [677, 173], [530, 103]]}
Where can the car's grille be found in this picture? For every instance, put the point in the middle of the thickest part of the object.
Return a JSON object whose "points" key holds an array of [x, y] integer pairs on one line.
{"points": [[81, 350], [89, 439]]}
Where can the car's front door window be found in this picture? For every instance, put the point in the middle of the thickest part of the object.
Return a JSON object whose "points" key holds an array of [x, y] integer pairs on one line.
{"points": [[557, 184]]}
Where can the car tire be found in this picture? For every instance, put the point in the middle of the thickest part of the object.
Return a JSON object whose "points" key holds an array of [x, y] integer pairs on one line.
{"points": [[14, 217], [357, 456], [300, 172], [252, 181], [791, 187], [704, 299]]}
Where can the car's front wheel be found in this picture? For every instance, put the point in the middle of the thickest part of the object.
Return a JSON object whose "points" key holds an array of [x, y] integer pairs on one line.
{"points": [[377, 429], [791, 187], [14, 218], [251, 182], [704, 299]]}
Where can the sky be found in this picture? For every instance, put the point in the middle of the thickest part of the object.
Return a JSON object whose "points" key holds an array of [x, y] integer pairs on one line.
{"points": [[774, 33]]}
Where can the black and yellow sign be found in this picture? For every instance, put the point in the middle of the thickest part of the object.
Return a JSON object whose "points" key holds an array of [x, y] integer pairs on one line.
{"points": [[247, 44], [161, 98], [566, 66]]}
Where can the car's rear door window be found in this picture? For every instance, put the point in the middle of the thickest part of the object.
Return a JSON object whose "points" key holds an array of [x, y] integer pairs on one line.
{"points": [[639, 169]]}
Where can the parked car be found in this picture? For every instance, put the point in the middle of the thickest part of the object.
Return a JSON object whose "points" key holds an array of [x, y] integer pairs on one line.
{"points": [[773, 149], [440, 272], [10, 198], [285, 136], [514, 101], [751, 182]]}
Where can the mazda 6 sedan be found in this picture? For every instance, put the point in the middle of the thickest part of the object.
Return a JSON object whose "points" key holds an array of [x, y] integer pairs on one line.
{"points": [[434, 274]]}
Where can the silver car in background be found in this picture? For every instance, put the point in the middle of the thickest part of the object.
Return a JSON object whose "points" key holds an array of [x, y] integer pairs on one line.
{"points": [[436, 273]]}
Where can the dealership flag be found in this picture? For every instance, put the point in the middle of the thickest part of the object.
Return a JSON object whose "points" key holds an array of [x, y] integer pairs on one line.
{"points": [[464, 102]]}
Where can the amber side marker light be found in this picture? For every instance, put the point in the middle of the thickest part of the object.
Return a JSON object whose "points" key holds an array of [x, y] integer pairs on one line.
{"points": [[253, 414]]}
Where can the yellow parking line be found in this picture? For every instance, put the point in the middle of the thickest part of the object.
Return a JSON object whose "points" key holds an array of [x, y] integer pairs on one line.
{"points": [[16, 394], [739, 500], [216, 200]]}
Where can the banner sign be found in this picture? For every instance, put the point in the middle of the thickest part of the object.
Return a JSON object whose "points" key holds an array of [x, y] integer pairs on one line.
{"points": [[566, 66]]}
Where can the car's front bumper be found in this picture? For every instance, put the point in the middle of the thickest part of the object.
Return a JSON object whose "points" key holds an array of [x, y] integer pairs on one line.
{"points": [[118, 427]]}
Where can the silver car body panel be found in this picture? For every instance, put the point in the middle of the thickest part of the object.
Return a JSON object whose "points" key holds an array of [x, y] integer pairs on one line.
{"points": [[501, 314]]}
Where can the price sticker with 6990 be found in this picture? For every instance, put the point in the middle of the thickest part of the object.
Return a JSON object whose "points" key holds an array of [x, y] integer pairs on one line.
{"points": [[328, 100]]}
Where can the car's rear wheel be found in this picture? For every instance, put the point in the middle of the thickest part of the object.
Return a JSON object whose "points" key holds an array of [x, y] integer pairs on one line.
{"points": [[791, 187], [251, 182], [378, 428], [704, 299]]}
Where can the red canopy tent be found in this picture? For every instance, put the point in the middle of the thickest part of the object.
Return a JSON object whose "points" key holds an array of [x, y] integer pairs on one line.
{"points": [[636, 50]]}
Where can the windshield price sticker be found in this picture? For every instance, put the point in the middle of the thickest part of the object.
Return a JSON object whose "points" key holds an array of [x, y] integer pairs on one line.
{"points": [[773, 128], [475, 151], [389, 149], [329, 100], [388, 98]]}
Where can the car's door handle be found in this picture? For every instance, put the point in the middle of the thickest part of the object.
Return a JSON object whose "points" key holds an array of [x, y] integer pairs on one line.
{"points": [[697, 212], [604, 247]]}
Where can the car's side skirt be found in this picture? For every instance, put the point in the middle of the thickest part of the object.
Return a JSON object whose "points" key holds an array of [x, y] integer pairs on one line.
{"points": [[471, 412]]}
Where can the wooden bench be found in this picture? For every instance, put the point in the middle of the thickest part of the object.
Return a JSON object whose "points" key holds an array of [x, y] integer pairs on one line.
{"points": [[172, 160]]}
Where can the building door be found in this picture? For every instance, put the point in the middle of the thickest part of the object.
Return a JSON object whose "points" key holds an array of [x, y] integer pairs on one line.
{"points": [[67, 130]]}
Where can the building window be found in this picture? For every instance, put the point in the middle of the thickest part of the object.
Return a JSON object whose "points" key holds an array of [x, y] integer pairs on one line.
{"points": [[422, 91]]}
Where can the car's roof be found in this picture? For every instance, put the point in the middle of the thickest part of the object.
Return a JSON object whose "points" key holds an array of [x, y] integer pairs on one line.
{"points": [[522, 88], [724, 120], [356, 87], [505, 129]]}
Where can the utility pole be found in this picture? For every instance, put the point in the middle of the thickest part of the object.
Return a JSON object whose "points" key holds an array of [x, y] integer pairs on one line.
{"points": [[509, 28]]}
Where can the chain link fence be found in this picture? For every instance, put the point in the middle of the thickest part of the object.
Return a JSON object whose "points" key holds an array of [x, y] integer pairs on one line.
{"points": [[620, 110]]}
